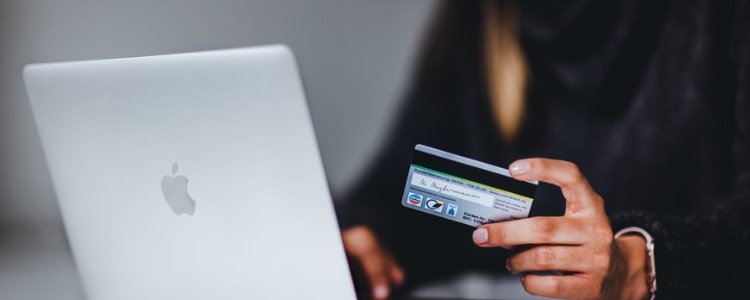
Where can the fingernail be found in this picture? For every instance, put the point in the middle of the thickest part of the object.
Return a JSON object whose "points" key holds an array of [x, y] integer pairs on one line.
{"points": [[522, 279], [480, 236], [380, 292], [520, 167], [507, 267]]}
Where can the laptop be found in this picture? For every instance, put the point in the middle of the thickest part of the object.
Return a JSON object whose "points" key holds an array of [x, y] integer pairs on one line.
{"points": [[190, 176]]}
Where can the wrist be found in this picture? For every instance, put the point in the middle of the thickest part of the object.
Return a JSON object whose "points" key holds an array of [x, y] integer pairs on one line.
{"points": [[632, 248]]}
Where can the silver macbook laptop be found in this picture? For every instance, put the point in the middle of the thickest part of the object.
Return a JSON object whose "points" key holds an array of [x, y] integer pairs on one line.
{"points": [[190, 176]]}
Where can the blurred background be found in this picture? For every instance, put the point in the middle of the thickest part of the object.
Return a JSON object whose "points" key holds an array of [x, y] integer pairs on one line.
{"points": [[355, 58]]}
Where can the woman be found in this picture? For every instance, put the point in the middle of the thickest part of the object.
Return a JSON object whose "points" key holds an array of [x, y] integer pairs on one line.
{"points": [[639, 105]]}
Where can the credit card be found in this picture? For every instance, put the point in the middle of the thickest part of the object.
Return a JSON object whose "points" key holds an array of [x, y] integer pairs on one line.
{"points": [[465, 190]]}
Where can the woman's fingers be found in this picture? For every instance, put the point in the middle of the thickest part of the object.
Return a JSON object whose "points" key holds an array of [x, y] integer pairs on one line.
{"points": [[379, 268], [553, 258], [578, 243], [577, 286], [536, 230], [576, 189]]}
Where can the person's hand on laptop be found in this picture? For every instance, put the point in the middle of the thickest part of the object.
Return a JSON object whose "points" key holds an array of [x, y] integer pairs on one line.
{"points": [[579, 245], [380, 269]]}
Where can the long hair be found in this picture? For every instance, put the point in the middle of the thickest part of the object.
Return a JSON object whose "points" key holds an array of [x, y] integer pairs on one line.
{"points": [[505, 65], [475, 43]]}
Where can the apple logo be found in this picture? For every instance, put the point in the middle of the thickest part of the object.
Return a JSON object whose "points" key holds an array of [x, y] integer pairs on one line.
{"points": [[175, 192]]}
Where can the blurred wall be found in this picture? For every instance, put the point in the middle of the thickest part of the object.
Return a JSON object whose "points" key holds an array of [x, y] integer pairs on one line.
{"points": [[355, 58]]}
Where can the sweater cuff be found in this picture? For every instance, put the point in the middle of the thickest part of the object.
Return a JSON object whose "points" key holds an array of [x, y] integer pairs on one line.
{"points": [[670, 278], [651, 264]]}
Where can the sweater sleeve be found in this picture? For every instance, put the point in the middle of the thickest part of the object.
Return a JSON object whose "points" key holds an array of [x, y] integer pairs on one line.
{"points": [[706, 254]]}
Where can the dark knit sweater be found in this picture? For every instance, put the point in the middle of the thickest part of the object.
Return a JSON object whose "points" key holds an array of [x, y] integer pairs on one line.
{"points": [[650, 98]]}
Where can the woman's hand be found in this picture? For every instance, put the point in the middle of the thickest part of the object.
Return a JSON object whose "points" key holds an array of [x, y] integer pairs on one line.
{"points": [[379, 267], [578, 245]]}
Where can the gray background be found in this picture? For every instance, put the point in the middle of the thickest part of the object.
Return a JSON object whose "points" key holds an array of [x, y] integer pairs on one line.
{"points": [[355, 58]]}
